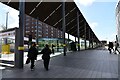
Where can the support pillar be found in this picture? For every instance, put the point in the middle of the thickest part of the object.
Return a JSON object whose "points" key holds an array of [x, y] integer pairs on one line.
{"points": [[68, 42], [57, 46], [37, 33], [78, 31], [92, 41], [89, 38], [20, 47], [64, 28], [16, 59], [85, 35]]}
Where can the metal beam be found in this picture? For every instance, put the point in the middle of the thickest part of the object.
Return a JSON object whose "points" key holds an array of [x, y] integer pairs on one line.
{"points": [[52, 13], [35, 7], [65, 16]]}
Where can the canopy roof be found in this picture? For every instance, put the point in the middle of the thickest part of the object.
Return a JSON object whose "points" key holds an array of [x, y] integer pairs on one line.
{"points": [[51, 14]]}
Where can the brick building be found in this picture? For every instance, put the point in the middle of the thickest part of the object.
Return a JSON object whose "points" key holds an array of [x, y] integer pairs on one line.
{"points": [[44, 30]]}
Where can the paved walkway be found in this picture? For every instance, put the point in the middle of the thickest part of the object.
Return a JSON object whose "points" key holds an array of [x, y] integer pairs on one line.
{"points": [[96, 63]]}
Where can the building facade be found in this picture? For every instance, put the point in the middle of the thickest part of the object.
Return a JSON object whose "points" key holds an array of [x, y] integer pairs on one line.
{"points": [[44, 30]]}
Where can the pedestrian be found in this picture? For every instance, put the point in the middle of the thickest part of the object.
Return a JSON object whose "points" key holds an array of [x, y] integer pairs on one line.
{"points": [[110, 47], [53, 48], [116, 47], [46, 56], [32, 55]]}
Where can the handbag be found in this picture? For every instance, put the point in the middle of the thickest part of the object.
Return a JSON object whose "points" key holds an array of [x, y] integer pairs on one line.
{"points": [[28, 61]]}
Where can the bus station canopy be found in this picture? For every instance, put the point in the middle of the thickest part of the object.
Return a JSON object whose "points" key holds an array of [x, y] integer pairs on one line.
{"points": [[51, 14]]}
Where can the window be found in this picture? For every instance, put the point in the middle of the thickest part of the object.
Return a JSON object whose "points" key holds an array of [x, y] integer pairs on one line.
{"points": [[27, 23], [35, 27], [39, 27], [40, 23], [39, 35], [46, 32], [51, 31], [27, 31], [46, 26], [51, 28], [27, 18], [51, 34], [39, 31], [33, 22]]}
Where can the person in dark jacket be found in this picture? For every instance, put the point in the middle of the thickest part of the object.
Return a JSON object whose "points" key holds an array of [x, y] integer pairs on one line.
{"points": [[53, 48], [46, 56], [32, 55], [116, 47], [110, 47]]}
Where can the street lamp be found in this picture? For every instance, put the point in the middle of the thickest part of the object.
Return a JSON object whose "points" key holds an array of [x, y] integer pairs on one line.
{"points": [[7, 20]]}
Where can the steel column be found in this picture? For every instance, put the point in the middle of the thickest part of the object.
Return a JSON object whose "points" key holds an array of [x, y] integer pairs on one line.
{"points": [[92, 41], [89, 38], [85, 34], [37, 33], [17, 58], [57, 46], [68, 42], [78, 31], [63, 26], [21, 34]]}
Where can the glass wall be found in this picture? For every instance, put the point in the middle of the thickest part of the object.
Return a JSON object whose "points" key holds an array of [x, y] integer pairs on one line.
{"points": [[55, 41], [82, 44], [87, 44]]}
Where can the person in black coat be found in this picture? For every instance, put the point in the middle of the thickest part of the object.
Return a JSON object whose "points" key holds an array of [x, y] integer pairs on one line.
{"points": [[116, 47], [53, 48], [32, 55], [110, 47], [46, 56]]}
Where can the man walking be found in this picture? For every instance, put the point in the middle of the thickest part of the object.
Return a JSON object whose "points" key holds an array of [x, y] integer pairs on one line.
{"points": [[116, 47], [32, 55]]}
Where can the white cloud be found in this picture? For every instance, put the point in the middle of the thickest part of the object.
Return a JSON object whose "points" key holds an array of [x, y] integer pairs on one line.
{"points": [[85, 2]]}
